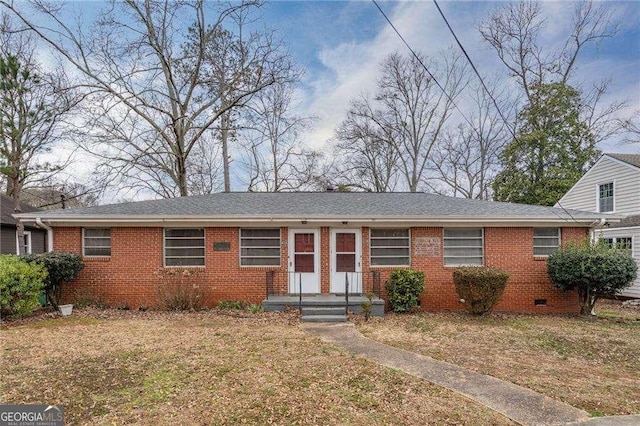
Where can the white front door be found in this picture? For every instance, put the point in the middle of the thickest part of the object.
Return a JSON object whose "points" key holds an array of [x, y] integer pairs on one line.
{"points": [[304, 260], [346, 260]]}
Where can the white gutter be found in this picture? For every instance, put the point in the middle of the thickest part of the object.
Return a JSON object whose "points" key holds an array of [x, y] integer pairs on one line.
{"points": [[42, 225], [315, 219]]}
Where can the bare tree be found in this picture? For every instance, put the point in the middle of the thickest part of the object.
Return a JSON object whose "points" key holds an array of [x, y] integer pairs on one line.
{"points": [[33, 106], [58, 195], [468, 157], [150, 67], [367, 160], [514, 32], [631, 126], [407, 115], [276, 159]]}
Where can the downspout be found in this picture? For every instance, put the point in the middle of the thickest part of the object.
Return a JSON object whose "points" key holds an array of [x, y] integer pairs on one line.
{"points": [[42, 225], [596, 224]]}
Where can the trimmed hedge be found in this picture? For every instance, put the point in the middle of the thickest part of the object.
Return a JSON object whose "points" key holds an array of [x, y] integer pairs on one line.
{"points": [[480, 288], [593, 270], [21, 284], [62, 267], [404, 288]]}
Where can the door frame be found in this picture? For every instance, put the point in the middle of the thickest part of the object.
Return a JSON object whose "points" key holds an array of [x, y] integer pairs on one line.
{"points": [[293, 285], [332, 267]]}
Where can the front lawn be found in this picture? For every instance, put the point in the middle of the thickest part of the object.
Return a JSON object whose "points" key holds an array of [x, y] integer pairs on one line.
{"points": [[115, 367], [592, 365]]}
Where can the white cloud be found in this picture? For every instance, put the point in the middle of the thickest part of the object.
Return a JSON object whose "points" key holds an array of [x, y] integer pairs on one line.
{"points": [[352, 67]]}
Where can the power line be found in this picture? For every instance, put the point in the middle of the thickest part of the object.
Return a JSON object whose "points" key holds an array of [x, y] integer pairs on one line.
{"points": [[415, 55], [486, 89], [475, 70]]}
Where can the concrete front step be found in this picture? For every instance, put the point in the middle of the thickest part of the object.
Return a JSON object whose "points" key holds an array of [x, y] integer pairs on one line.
{"points": [[324, 318], [320, 310], [283, 302]]}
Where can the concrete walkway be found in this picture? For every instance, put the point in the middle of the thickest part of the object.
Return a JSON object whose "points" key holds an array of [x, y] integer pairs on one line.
{"points": [[517, 403]]}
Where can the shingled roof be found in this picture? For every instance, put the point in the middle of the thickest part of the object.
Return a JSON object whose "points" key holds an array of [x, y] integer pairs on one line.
{"points": [[6, 210], [316, 206], [633, 159]]}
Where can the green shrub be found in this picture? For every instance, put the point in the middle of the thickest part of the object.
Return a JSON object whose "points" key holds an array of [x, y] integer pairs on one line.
{"points": [[255, 308], [593, 270], [232, 304], [404, 288], [480, 288], [61, 267], [180, 289], [21, 284], [367, 307]]}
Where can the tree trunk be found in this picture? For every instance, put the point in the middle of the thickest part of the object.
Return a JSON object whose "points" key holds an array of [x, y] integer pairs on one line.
{"points": [[587, 303], [224, 138], [15, 196]]}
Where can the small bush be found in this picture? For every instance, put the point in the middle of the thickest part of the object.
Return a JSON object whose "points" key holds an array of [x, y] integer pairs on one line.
{"points": [[593, 270], [180, 289], [232, 304], [404, 288], [61, 267], [21, 284], [480, 287], [255, 308], [367, 307]]}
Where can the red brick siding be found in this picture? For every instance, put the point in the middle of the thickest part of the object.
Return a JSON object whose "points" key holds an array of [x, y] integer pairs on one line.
{"points": [[129, 277]]}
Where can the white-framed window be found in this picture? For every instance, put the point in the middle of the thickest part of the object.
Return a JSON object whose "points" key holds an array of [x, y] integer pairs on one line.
{"points": [[463, 246], [260, 247], [545, 241], [184, 247], [27, 243], [605, 197], [621, 243], [96, 242], [390, 247]]}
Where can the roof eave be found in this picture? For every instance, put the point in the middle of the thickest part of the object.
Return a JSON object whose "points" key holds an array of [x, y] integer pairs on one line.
{"points": [[299, 219]]}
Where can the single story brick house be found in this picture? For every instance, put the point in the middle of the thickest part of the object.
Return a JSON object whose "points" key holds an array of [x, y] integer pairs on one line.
{"points": [[248, 246]]}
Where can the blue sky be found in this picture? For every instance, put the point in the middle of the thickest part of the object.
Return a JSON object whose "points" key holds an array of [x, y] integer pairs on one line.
{"points": [[342, 43]]}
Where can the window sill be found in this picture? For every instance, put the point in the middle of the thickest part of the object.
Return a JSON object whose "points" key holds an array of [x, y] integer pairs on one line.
{"points": [[388, 266], [96, 258], [540, 257]]}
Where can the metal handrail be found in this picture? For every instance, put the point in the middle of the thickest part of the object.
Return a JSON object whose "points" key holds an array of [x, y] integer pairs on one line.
{"points": [[300, 293], [346, 293], [276, 282]]}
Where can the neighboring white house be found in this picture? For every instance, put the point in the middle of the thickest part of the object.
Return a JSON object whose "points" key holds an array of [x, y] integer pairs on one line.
{"points": [[612, 185]]}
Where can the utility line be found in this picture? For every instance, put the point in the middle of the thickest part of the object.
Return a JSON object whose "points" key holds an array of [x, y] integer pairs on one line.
{"points": [[484, 86], [495, 103], [415, 55], [475, 70]]}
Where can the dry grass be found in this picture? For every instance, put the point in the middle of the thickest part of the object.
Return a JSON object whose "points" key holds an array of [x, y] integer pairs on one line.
{"points": [[593, 365], [113, 367]]}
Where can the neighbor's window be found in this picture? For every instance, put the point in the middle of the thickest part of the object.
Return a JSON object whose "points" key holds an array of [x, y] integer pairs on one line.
{"points": [[96, 241], [463, 246], [605, 197], [390, 247], [184, 247], [622, 243], [545, 241], [260, 247]]}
